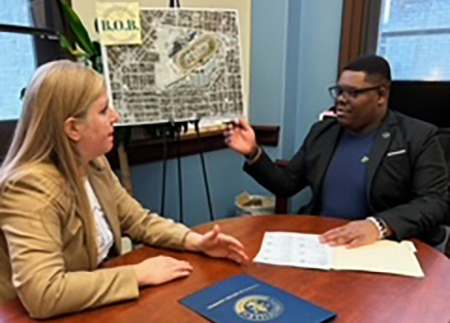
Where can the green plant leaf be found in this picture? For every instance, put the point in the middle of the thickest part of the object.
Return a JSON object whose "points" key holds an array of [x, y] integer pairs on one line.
{"points": [[83, 56], [81, 35], [65, 44]]}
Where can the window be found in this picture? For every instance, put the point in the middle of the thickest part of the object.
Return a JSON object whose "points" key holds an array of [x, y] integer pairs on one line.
{"points": [[16, 66], [28, 38], [414, 35]]}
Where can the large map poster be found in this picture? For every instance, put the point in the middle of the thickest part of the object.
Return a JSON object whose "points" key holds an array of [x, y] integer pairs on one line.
{"points": [[189, 66]]}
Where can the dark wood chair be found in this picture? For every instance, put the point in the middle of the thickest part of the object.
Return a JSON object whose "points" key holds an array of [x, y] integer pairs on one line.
{"points": [[281, 203], [444, 139]]}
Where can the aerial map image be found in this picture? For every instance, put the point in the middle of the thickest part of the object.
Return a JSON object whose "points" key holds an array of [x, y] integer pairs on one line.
{"points": [[189, 66]]}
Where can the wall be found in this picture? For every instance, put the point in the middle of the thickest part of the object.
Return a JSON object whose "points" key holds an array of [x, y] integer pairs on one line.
{"points": [[294, 52], [320, 28], [268, 71], [295, 46]]}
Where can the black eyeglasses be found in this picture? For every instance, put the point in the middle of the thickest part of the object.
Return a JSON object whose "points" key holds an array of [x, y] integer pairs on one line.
{"points": [[337, 90]]}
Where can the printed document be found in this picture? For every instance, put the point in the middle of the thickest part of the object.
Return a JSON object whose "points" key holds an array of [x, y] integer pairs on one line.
{"points": [[305, 250]]}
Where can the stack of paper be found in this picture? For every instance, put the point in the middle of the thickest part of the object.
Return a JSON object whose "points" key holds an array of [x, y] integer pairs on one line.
{"points": [[305, 250]]}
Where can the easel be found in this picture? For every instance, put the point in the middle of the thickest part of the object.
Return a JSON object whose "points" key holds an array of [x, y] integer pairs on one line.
{"points": [[173, 130]]}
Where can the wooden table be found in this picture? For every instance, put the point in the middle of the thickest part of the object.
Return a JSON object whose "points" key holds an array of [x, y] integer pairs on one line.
{"points": [[355, 296]]}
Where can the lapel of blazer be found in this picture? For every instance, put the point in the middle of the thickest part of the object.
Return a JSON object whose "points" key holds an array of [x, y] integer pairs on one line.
{"points": [[382, 142], [91, 243], [86, 220], [327, 146], [102, 189]]}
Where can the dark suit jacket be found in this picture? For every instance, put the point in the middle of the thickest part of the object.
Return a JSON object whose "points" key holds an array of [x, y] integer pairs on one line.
{"points": [[406, 182]]}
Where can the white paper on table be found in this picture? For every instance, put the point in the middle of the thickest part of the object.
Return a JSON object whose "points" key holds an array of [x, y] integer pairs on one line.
{"points": [[305, 250], [294, 249]]}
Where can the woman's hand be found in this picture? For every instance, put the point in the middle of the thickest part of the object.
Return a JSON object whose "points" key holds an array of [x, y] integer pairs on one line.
{"points": [[161, 269], [216, 244]]}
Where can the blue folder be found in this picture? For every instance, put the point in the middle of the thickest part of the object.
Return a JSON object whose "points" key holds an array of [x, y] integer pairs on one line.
{"points": [[247, 299]]}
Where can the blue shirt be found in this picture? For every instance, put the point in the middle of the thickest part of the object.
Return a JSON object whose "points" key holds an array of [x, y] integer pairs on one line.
{"points": [[344, 187]]}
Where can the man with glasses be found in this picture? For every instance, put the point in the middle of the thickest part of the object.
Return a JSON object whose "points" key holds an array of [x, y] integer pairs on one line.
{"points": [[382, 169]]}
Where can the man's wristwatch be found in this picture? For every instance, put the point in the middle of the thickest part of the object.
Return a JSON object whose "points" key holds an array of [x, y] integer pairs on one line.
{"points": [[253, 155], [380, 224]]}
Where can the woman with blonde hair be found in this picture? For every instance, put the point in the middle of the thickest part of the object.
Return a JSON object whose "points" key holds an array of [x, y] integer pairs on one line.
{"points": [[63, 211]]}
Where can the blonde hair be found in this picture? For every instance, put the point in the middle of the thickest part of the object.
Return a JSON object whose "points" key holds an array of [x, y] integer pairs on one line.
{"points": [[57, 91]]}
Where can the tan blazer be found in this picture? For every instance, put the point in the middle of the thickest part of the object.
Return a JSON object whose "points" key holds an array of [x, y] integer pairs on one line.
{"points": [[48, 250]]}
